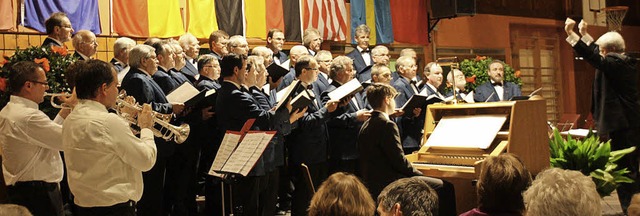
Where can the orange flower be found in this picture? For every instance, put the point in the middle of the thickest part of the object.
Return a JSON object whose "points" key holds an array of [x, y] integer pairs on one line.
{"points": [[59, 50], [480, 58], [3, 84], [44, 62], [471, 79], [517, 74]]}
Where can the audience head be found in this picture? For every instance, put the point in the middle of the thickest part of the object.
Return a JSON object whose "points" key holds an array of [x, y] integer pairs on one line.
{"points": [[362, 36], [634, 206], [59, 27], [324, 57], [610, 42], [234, 68], [265, 52], [408, 196], [256, 71], [496, 71], [500, 185], [562, 192], [14, 210], [433, 73], [164, 53], [209, 66], [296, 52], [28, 80], [312, 39], [121, 48], [218, 42], [382, 97], [190, 45], [307, 69], [406, 67], [84, 41], [342, 194], [275, 39], [342, 69], [380, 55], [238, 45], [380, 74], [144, 57], [96, 80]]}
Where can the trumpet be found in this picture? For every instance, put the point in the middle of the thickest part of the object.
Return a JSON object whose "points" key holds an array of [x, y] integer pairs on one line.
{"points": [[165, 131], [53, 97]]}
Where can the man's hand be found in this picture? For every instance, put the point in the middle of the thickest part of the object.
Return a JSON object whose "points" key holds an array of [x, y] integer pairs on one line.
{"points": [[71, 100], [332, 105], [363, 115], [207, 113], [582, 27], [130, 110], [145, 117], [397, 113], [177, 108], [416, 112], [297, 115], [568, 26]]}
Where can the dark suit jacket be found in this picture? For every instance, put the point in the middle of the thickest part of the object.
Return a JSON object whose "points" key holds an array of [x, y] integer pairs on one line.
{"points": [[214, 54], [49, 42], [307, 143], [274, 154], [485, 90], [363, 72], [410, 127], [281, 56], [343, 127], [179, 77], [165, 81], [322, 83], [287, 79], [189, 70], [382, 159], [77, 55], [614, 103], [204, 83], [117, 65], [235, 106]]}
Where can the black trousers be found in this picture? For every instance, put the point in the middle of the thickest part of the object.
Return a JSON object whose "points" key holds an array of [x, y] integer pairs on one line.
{"points": [[151, 203], [41, 198], [180, 184], [622, 139], [302, 194], [214, 202], [120, 209]]}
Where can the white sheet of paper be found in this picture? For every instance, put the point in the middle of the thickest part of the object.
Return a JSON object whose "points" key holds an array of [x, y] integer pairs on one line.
{"points": [[345, 89], [182, 94], [227, 146], [477, 131], [265, 138]]}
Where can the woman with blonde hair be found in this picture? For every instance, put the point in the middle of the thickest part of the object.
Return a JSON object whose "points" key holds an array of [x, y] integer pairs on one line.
{"points": [[342, 194]]}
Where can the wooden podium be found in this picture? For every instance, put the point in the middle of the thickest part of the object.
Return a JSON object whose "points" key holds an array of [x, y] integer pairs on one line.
{"points": [[524, 133]]}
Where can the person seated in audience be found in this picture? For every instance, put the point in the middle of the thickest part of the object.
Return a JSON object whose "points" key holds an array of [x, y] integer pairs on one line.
{"points": [[562, 193], [497, 89], [342, 194], [312, 40], [238, 45], [218, 43], [191, 48], [59, 30], [84, 41], [408, 196], [500, 185], [634, 206], [14, 210]]}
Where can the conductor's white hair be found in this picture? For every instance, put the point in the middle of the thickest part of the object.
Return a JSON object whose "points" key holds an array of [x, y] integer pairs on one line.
{"points": [[612, 41]]}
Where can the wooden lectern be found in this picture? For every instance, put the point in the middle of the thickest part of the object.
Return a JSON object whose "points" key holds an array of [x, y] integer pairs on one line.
{"points": [[524, 133]]}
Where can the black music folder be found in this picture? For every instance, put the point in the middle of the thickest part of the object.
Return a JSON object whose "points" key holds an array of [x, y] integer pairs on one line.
{"points": [[419, 101], [276, 71]]}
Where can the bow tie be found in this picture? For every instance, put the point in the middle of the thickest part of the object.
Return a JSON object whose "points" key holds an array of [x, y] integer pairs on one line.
{"points": [[413, 82], [194, 61], [365, 51], [310, 87], [277, 55], [496, 84]]}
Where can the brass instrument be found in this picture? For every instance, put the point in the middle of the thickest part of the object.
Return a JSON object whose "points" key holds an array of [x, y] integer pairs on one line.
{"points": [[54, 104], [167, 131]]}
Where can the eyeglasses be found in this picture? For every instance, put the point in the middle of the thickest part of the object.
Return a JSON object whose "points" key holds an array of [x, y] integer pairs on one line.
{"points": [[313, 69], [65, 26], [39, 82], [91, 42], [243, 46]]}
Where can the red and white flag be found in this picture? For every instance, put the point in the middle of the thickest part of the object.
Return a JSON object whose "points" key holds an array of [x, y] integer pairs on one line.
{"points": [[328, 16]]}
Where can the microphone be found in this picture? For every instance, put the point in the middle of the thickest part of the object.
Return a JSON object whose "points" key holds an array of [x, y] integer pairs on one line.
{"points": [[491, 95]]}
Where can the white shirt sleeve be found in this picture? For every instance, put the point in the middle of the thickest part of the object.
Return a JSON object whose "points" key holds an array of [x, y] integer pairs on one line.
{"points": [[44, 132], [573, 39], [140, 153]]}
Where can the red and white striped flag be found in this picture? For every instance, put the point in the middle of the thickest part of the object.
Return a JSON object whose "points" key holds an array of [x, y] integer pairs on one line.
{"points": [[328, 16]]}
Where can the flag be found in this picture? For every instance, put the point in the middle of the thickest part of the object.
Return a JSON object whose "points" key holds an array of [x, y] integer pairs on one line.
{"points": [[201, 18], [230, 16], [292, 21], [376, 15], [328, 16], [410, 23], [256, 19], [6, 15], [83, 14], [147, 18], [275, 15]]}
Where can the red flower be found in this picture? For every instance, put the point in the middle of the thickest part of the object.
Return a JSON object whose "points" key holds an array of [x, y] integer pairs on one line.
{"points": [[471, 79], [480, 58], [517, 74], [60, 50], [3, 84], [44, 62]]}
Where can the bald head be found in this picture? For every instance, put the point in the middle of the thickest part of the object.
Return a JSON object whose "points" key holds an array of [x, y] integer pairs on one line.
{"points": [[296, 52]]}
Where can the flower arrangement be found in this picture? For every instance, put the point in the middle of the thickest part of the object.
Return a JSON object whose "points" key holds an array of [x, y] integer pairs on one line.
{"points": [[54, 60], [475, 71]]}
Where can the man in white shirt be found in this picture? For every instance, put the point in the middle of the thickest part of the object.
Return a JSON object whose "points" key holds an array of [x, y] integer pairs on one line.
{"points": [[31, 143], [105, 160]]}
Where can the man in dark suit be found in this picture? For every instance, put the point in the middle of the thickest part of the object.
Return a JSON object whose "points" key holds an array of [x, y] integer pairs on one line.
{"points": [[307, 143], [312, 40], [275, 40], [165, 57], [324, 58], [361, 55], [433, 75], [191, 48], [410, 126], [218, 43], [496, 89], [59, 30], [615, 104], [296, 52], [460, 83], [345, 125], [382, 160], [139, 83], [84, 41], [121, 48]]}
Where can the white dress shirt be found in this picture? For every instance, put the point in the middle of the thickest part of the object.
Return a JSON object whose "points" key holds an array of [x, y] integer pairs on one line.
{"points": [[31, 143], [365, 56], [499, 90], [104, 159]]}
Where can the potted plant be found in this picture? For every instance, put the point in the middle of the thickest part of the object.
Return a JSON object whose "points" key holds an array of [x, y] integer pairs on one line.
{"points": [[592, 158], [475, 71]]}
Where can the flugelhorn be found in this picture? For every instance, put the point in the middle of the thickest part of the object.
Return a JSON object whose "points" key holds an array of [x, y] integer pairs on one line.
{"points": [[166, 130], [53, 98]]}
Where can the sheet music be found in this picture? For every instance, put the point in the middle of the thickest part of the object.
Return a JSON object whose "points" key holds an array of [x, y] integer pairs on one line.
{"points": [[247, 153], [464, 131], [346, 89], [182, 94], [227, 146], [262, 145]]}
